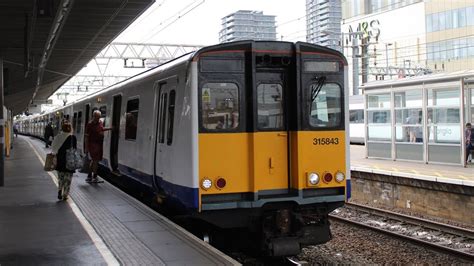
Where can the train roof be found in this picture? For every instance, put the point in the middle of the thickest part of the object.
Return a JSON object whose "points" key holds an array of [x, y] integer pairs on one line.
{"points": [[244, 44]]}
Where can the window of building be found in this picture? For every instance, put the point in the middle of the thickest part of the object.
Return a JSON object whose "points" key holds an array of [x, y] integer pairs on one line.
{"points": [[429, 23], [470, 18], [171, 107], [449, 19], [435, 21], [220, 106], [131, 119], [326, 105], [442, 20], [461, 17]]}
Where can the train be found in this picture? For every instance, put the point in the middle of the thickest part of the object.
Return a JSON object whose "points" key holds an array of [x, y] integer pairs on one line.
{"points": [[246, 134], [356, 119]]}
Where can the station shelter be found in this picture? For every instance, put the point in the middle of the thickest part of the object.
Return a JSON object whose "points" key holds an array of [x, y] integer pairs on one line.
{"points": [[420, 118]]}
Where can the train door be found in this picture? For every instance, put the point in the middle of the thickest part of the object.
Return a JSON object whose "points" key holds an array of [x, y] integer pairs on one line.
{"points": [[86, 120], [165, 97], [270, 142], [114, 139]]}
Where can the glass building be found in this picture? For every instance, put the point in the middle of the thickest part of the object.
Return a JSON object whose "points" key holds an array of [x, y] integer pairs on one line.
{"points": [[247, 25], [323, 23], [420, 118], [393, 39]]}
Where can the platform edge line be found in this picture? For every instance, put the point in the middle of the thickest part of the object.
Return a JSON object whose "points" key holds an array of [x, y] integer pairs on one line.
{"points": [[96, 239]]}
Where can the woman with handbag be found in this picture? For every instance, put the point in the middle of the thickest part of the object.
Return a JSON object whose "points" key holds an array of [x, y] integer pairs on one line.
{"points": [[63, 142]]}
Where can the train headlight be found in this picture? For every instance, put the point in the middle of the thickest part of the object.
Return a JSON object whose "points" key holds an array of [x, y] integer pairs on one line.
{"points": [[340, 177], [313, 179], [206, 183]]}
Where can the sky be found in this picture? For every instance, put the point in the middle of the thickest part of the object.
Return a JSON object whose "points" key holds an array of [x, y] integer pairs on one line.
{"points": [[199, 21]]}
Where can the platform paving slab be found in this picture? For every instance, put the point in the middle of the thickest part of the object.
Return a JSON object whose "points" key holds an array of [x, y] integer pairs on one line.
{"points": [[134, 233], [36, 228]]}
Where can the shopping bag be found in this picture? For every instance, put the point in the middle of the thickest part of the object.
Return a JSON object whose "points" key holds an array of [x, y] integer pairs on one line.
{"points": [[73, 159], [50, 162]]}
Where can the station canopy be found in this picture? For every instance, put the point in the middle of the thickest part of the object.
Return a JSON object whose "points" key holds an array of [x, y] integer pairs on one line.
{"points": [[44, 43]]}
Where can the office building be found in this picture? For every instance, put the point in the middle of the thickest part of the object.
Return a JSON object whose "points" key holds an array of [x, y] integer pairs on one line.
{"points": [[392, 39], [323, 22], [247, 25]]}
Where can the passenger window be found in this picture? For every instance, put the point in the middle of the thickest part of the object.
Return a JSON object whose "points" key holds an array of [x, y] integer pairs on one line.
{"points": [[220, 106], [103, 111], [163, 102], [79, 122], [74, 121], [131, 119], [326, 108], [171, 106], [270, 106], [356, 116]]}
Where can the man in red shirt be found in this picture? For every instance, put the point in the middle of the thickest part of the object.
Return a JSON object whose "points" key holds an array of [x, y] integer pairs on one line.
{"points": [[94, 143]]}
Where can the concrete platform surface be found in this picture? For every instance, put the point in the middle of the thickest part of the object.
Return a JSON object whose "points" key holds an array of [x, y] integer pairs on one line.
{"points": [[450, 174], [98, 224]]}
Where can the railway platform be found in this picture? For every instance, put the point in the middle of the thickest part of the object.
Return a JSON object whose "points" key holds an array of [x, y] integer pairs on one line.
{"points": [[444, 192], [97, 225], [448, 174]]}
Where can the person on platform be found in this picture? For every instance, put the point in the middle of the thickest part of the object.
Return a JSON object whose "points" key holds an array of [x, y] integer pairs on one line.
{"points": [[48, 134], [63, 141], [94, 138], [467, 140], [16, 128]]}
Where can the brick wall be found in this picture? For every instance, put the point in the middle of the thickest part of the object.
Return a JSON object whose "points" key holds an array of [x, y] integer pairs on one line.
{"points": [[428, 198]]}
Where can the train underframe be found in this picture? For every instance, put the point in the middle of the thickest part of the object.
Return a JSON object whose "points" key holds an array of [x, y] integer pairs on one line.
{"points": [[278, 229]]}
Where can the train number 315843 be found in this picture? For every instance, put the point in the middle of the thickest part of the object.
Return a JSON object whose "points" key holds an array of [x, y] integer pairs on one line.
{"points": [[325, 141]]}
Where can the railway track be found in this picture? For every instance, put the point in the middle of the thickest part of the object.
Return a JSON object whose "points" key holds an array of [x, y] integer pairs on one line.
{"points": [[443, 237]]}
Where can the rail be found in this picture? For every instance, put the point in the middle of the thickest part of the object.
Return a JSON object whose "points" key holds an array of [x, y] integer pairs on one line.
{"points": [[443, 237]]}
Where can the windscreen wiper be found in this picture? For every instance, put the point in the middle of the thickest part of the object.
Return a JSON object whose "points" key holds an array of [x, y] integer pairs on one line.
{"points": [[317, 88]]}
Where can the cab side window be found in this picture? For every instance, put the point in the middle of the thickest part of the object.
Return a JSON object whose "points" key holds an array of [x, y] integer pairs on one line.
{"points": [[220, 106]]}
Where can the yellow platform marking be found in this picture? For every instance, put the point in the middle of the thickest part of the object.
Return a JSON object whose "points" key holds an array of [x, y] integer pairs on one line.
{"points": [[100, 245], [438, 174], [416, 172]]}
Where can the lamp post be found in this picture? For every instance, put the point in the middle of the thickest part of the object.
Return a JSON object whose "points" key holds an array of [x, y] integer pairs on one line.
{"points": [[386, 58], [355, 51]]}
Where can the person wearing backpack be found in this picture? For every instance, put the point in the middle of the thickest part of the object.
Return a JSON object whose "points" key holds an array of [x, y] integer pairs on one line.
{"points": [[64, 141]]}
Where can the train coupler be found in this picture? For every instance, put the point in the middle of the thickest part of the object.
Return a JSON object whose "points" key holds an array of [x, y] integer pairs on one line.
{"points": [[285, 246]]}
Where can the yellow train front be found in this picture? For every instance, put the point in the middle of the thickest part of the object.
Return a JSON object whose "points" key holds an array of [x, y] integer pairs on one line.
{"points": [[272, 142]]}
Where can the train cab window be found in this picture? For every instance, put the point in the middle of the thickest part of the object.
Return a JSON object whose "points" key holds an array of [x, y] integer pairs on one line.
{"points": [[131, 119], [270, 106], [326, 103], [171, 107], [220, 106], [79, 122]]}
